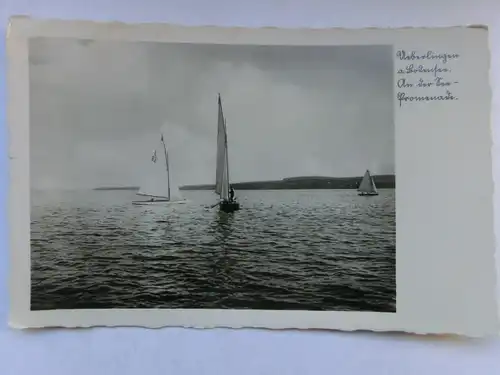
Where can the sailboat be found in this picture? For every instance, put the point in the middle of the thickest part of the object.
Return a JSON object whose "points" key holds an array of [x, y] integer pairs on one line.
{"points": [[222, 185], [367, 186], [158, 186]]}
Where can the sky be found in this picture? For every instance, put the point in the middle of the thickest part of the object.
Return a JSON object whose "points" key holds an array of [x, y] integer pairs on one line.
{"points": [[97, 109]]}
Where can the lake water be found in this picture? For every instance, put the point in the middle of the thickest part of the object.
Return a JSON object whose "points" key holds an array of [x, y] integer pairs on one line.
{"points": [[307, 250]]}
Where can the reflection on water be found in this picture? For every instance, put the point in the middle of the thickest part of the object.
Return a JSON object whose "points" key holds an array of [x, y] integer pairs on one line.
{"points": [[311, 250]]}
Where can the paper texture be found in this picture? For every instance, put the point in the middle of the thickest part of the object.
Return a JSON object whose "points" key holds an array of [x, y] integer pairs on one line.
{"points": [[445, 280]]}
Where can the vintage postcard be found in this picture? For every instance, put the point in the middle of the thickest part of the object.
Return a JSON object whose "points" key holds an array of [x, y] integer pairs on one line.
{"points": [[216, 177]]}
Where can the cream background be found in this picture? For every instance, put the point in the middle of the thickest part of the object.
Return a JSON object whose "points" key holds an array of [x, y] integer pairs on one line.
{"points": [[222, 351], [445, 241]]}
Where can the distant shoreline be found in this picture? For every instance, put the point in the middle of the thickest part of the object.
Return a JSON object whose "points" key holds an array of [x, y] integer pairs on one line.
{"points": [[291, 183], [117, 188]]}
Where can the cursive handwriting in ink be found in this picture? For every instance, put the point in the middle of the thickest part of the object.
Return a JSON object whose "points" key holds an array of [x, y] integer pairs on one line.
{"points": [[403, 83], [416, 69], [429, 55], [425, 71], [404, 97]]}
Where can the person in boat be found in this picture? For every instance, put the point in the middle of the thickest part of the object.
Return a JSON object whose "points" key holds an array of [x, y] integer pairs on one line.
{"points": [[231, 194]]}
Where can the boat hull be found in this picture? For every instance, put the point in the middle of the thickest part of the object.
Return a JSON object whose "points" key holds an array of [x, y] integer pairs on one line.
{"points": [[229, 206], [157, 203]]}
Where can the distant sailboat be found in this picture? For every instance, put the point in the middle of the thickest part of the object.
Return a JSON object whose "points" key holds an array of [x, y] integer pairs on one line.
{"points": [[367, 186], [158, 183], [222, 185]]}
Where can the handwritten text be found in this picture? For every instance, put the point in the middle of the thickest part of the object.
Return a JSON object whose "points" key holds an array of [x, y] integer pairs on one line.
{"points": [[429, 55], [403, 97], [426, 71]]}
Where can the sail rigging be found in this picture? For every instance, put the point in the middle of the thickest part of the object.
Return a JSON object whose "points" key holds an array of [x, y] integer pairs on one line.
{"points": [[166, 166], [367, 185], [157, 180], [222, 161]]}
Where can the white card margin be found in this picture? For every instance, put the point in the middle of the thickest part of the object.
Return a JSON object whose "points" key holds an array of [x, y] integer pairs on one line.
{"points": [[446, 278]]}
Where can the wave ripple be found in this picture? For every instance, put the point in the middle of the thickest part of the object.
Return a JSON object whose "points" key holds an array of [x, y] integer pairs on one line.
{"points": [[304, 250]]}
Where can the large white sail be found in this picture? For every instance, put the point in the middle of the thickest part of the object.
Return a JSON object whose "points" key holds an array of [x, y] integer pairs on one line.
{"points": [[367, 184], [222, 167], [157, 177]]}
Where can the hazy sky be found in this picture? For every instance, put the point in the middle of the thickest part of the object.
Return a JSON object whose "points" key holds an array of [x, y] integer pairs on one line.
{"points": [[97, 109]]}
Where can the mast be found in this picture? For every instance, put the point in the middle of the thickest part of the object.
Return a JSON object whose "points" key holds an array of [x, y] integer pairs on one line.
{"points": [[227, 155], [222, 169], [166, 165], [218, 169]]}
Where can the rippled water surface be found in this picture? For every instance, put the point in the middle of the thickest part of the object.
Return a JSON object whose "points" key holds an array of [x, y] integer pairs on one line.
{"points": [[307, 250]]}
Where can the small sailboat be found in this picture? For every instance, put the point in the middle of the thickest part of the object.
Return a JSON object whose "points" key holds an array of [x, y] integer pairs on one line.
{"points": [[158, 185], [223, 188], [367, 186]]}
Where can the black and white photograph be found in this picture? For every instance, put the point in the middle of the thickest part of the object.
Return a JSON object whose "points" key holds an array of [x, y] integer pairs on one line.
{"points": [[218, 177], [177, 175]]}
